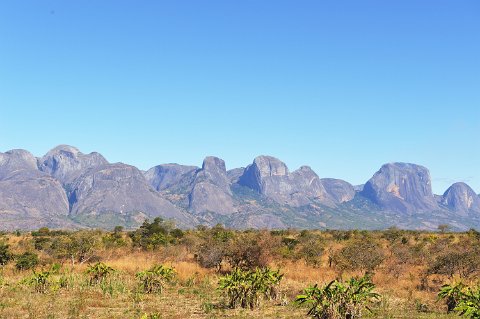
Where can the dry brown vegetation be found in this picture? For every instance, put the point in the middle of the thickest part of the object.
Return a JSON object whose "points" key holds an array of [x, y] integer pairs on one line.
{"points": [[407, 267]]}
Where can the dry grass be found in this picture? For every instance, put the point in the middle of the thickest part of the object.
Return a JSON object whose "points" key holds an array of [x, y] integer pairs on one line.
{"points": [[195, 294]]}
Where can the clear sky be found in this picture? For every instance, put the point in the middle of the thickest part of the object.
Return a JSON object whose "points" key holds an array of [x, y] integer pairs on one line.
{"points": [[342, 86]]}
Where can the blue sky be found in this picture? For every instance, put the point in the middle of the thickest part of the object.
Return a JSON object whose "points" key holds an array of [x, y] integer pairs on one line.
{"points": [[343, 86]]}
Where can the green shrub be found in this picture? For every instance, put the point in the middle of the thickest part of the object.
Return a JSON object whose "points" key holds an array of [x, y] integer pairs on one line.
{"points": [[245, 288], [452, 294], [27, 260], [154, 279], [465, 299], [339, 300], [39, 280], [5, 254], [153, 235], [365, 255], [98, 273]]}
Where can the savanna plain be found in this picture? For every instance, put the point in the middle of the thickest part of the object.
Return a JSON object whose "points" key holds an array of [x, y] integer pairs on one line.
{"points": [[159, 271]]}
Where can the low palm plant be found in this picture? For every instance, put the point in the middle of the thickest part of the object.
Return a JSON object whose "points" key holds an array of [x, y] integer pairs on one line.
{"points": [[154, 279], [452, 294], [98, 273], [39, 280], [245, 288], [339, 300], [463, 299]]}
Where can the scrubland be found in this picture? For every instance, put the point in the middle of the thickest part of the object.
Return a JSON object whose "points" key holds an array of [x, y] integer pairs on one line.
{"points": [[159, 271]]}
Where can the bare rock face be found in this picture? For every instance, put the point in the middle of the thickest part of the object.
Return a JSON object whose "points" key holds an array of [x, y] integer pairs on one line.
{"points": [[66, 163], [234, 174], [271, 177], [401, 187], [462, 199], [339, 190], [262, 174], [211, 189], [120, 188], [29, 198], [15, 161], [167, 175]]}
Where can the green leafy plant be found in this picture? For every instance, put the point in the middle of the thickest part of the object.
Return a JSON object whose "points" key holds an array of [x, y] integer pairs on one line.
{"points": [[452, 294], [154, 279], [98, 273], [338, 300], [466, 299], [39, 280], [245, 288]]}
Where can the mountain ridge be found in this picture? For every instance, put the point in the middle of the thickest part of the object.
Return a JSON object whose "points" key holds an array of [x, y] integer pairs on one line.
{"points": [[66, 188]]}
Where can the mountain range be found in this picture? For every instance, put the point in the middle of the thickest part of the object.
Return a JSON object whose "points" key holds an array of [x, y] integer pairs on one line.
{"points": [[69, 189]]}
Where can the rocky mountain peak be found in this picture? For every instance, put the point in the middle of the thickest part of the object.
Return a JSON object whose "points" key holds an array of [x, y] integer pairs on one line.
{"points": [[211, 188], [166, 176], [214, 171], [212, 163], [13, 161], [66, 162], [402, 187], [461, 198], [270, 176], [270, 166]]}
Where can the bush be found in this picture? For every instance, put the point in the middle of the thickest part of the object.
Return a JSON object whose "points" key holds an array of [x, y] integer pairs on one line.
{"points": [[5, 254], [311, 250], [464, 262], [81, 246], [27, 260], [245, 252], [40, 281], [466, 299], [339, 300], [245, 288], [452, 295], [155, 279], [365, 255], [98, 273]]}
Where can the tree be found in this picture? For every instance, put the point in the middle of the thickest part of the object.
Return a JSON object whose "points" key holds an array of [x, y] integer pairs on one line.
{"points": [[443, 228], [153, 235], [365, 255]]}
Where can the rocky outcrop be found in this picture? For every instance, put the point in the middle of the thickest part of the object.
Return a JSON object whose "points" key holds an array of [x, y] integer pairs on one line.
{"points": [[211, 189], [461, 199], [271, 177], [66, 163], [234, 174], [339, 190], [122, 189], [168, 175], [14, 161], [358, 188], [29, 198], [401, 187]]}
